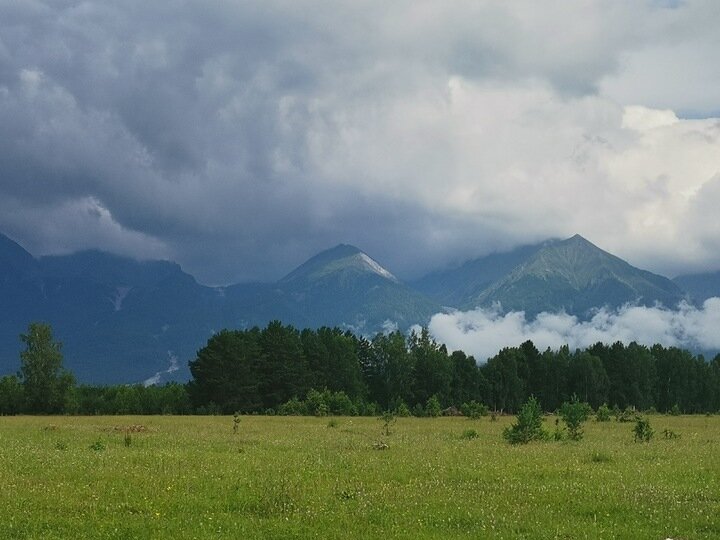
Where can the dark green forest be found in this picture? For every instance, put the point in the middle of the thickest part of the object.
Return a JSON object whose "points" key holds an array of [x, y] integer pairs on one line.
{"points": [[282, 370]]}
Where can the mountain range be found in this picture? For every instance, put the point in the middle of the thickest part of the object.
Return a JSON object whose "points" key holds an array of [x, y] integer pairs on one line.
{"points": [[122, 320]]}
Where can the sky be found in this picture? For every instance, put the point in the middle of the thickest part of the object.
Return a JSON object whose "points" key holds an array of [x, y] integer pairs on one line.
{"points": [[240, 138]]}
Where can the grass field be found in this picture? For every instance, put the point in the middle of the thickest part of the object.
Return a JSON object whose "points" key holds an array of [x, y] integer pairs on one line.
{"points": [[280, 477]]}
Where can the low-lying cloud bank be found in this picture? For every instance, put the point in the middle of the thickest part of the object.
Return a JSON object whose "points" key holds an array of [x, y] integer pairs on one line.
{"points": [[483, 332]]}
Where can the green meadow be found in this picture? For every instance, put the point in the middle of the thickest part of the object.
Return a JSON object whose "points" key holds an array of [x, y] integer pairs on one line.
{"points": [[312, 477]]}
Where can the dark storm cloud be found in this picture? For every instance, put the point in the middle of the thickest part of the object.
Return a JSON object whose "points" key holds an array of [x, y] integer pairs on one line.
{"points": [[241, 137]]}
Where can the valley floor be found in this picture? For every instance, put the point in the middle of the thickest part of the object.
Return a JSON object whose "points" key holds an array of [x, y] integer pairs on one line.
{"points": [[306, 477]]}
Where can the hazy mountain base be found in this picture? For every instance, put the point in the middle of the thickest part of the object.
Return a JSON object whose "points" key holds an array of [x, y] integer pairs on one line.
{"points": [[125, 321]]}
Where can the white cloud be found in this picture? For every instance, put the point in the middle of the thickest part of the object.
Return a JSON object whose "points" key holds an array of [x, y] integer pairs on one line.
{"points": [[483, 332]]}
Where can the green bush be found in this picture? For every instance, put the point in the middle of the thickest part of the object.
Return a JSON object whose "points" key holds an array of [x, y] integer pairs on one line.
{"points": [[315, 403], [370, 409], [292, 407], [603, 413], [528, 426], [469, 434], [474, 410], [574, 413], [388, 419], [628, 415], [339, 403], [643, 431], [432, 407], [402, 409], [418, 411]]}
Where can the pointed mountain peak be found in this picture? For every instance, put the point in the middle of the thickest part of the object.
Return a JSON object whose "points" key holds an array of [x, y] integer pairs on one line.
{"points": [[341, 258], [576, 275], [578, 240], [339, 251]]}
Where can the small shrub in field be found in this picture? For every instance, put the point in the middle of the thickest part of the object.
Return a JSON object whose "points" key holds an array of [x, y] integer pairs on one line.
{"points": [[332, 423], [339, 403], [322, 410], [315, 403], [670, 434], [493, 416], [292, 407], [371, 409], [98, 446], [574, 413], [469, 434], [236, 422], [603, 413], [643, 431], [559, 433], [528, 426], [388, 419], [473, 410], [675, 410], [418, 411], [402, 409], [432, 407], [628, 415]]}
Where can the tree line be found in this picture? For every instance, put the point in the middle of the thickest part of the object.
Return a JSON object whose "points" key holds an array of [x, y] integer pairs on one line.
{"points": [[282, 370], [259, 370], [44, 386]]}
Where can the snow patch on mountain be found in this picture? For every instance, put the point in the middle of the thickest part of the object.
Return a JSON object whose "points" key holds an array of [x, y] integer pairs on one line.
{"points": [[120, 295], [157, 378], [375, 267]]}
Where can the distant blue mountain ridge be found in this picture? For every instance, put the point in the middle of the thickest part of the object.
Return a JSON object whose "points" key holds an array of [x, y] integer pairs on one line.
{"points": [[123, 320]]}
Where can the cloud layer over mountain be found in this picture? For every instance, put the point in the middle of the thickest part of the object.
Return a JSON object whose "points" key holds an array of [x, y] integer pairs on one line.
{"points": [[483, 332], [240, 138]]}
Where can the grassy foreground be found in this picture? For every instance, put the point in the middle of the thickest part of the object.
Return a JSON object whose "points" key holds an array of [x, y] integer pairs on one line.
{"points": [[280, 477]]}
